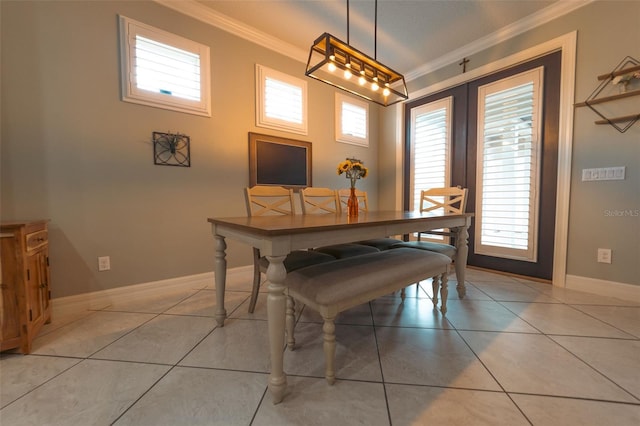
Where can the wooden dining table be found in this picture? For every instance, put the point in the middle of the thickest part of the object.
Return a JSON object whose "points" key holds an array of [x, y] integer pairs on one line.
{"points": [[277, 236]]}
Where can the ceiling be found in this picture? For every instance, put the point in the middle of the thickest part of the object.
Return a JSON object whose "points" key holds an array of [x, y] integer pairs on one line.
{"points": [[412, 35]]}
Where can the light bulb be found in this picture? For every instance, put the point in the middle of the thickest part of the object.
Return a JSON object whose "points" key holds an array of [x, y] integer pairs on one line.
{"points": [[375, 87], [332, 67], [347, 74], [362, 81], [386, 91]]}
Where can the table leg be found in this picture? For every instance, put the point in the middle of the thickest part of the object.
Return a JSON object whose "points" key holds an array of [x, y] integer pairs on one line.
{"points": [[462, 251], [220, 269], [276, 306]]}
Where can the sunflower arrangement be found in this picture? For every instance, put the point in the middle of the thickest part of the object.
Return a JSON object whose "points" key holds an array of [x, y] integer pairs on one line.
{"points": [[353, 169]]}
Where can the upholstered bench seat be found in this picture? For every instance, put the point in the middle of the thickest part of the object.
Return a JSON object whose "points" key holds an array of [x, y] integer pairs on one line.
{"points": [[381, 243], [343, 251], [446, 249], [332, 287]]}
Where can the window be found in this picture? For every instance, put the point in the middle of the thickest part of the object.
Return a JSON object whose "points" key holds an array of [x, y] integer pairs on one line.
{"points": [[352, 120], [281, 101], [164, 70], [509, 120], [430, 147]]}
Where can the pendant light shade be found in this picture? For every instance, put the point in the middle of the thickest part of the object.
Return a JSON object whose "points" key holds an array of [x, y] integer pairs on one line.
{"points": [[337, 63]]}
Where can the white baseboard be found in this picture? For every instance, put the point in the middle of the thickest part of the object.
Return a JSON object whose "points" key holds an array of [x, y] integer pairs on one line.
{"points": [[103, 298], [622, 291]]}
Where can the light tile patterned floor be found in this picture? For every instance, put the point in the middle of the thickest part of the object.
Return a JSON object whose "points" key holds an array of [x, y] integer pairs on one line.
{"points": [[513, 352]]}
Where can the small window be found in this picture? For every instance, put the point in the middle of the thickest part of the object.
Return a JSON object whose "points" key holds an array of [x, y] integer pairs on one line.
{"points": [[164, 70], [352, 120], [281, 101]]}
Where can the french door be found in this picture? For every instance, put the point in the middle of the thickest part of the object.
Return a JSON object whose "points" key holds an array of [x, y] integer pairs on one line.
{"points": [[498, 137]]}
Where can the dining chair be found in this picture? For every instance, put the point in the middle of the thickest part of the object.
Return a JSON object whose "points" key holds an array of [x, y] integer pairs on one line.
{"points": [[273, 201], [449, 200], [327, 201], [319, 200]]}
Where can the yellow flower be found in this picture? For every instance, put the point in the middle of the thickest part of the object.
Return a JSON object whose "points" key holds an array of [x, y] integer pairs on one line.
{"points": [[353, 168], [344, 166]]}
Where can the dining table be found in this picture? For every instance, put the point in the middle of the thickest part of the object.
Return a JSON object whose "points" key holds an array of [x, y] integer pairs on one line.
{"points": [[277, 236]]}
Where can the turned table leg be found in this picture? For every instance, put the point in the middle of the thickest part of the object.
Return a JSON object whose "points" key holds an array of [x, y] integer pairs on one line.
{"points": [[220, 268], [276, 306], [462, 251]]}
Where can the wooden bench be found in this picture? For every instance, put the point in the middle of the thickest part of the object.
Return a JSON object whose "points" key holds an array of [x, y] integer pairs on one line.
{"points": [[332, 287]]}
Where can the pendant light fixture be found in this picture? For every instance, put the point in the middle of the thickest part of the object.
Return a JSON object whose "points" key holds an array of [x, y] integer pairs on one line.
{"points": [[339, 64]]}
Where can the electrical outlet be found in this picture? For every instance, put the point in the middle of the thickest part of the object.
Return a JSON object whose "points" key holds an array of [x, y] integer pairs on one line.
{"points": [[104, 263], [604, 255]]}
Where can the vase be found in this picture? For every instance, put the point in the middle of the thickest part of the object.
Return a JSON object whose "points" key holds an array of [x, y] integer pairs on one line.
{"points": [[352, 204]]}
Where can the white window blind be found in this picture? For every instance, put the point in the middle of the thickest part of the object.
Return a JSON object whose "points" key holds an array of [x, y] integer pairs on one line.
{"points": [[352, 120], [281, 101], [161, 68], [508, 167], [164, 70], [431, 147]]}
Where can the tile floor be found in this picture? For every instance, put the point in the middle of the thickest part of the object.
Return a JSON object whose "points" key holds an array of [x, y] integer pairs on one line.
{"points": [[513, 352]]}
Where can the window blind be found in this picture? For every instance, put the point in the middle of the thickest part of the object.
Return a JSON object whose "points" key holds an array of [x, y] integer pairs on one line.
{"points": [[164, 69], [431, 140], [354, 120], [508, 168], [283, 101]]}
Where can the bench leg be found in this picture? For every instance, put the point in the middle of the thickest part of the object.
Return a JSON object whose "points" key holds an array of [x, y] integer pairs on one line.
{"points": [[444, 293], [290, 322], [329, 346], [435, 285]]}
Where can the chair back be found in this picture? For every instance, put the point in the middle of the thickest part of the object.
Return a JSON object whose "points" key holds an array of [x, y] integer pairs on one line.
{"points": [[269, 200], [319, 200], [363, 202], [452, 199]]}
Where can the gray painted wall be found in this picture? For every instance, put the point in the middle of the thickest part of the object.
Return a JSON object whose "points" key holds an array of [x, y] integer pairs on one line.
{"points": [[74, 153], [608, 31]]}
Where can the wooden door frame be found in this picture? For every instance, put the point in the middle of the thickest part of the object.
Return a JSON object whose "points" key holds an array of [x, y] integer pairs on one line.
{"points": [[567, 45]]}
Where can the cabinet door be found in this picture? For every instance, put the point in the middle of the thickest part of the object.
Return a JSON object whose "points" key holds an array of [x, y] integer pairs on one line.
{"points": [[9, 308], [35, 302], [45, 291]]}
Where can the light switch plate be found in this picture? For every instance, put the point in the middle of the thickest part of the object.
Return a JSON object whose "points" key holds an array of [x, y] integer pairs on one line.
{"points": [[604, 173]]}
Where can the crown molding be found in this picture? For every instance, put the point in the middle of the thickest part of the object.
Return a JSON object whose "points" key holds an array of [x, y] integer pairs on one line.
{"points": [[209, 16], [541, 17]]}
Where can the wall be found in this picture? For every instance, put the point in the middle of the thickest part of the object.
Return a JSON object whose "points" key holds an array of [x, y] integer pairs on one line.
{"points": [[74, 153], [607, 32]]}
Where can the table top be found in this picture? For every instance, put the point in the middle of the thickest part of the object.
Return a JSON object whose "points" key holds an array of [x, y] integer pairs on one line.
{"points": [[289, 224]]}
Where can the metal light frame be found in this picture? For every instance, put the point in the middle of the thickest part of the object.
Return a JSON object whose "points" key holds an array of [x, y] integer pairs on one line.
{"points": [[339, 64]]}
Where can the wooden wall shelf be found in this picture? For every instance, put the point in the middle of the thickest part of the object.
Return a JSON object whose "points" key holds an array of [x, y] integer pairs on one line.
{"points": [[609, 98], [627, 66]]}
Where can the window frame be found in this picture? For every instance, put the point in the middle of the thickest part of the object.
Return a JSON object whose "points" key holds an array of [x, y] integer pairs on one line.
{"points": [[426, 108], [530, 254], [262, 120], [341, 99], [129, 29]]}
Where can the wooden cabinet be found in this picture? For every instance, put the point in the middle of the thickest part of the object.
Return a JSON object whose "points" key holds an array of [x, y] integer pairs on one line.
{"points": [[25, 305]]}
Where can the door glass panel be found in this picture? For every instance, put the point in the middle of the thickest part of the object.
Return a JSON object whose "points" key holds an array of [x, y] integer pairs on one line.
{"points": [[430, 147], [508, 161]]}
